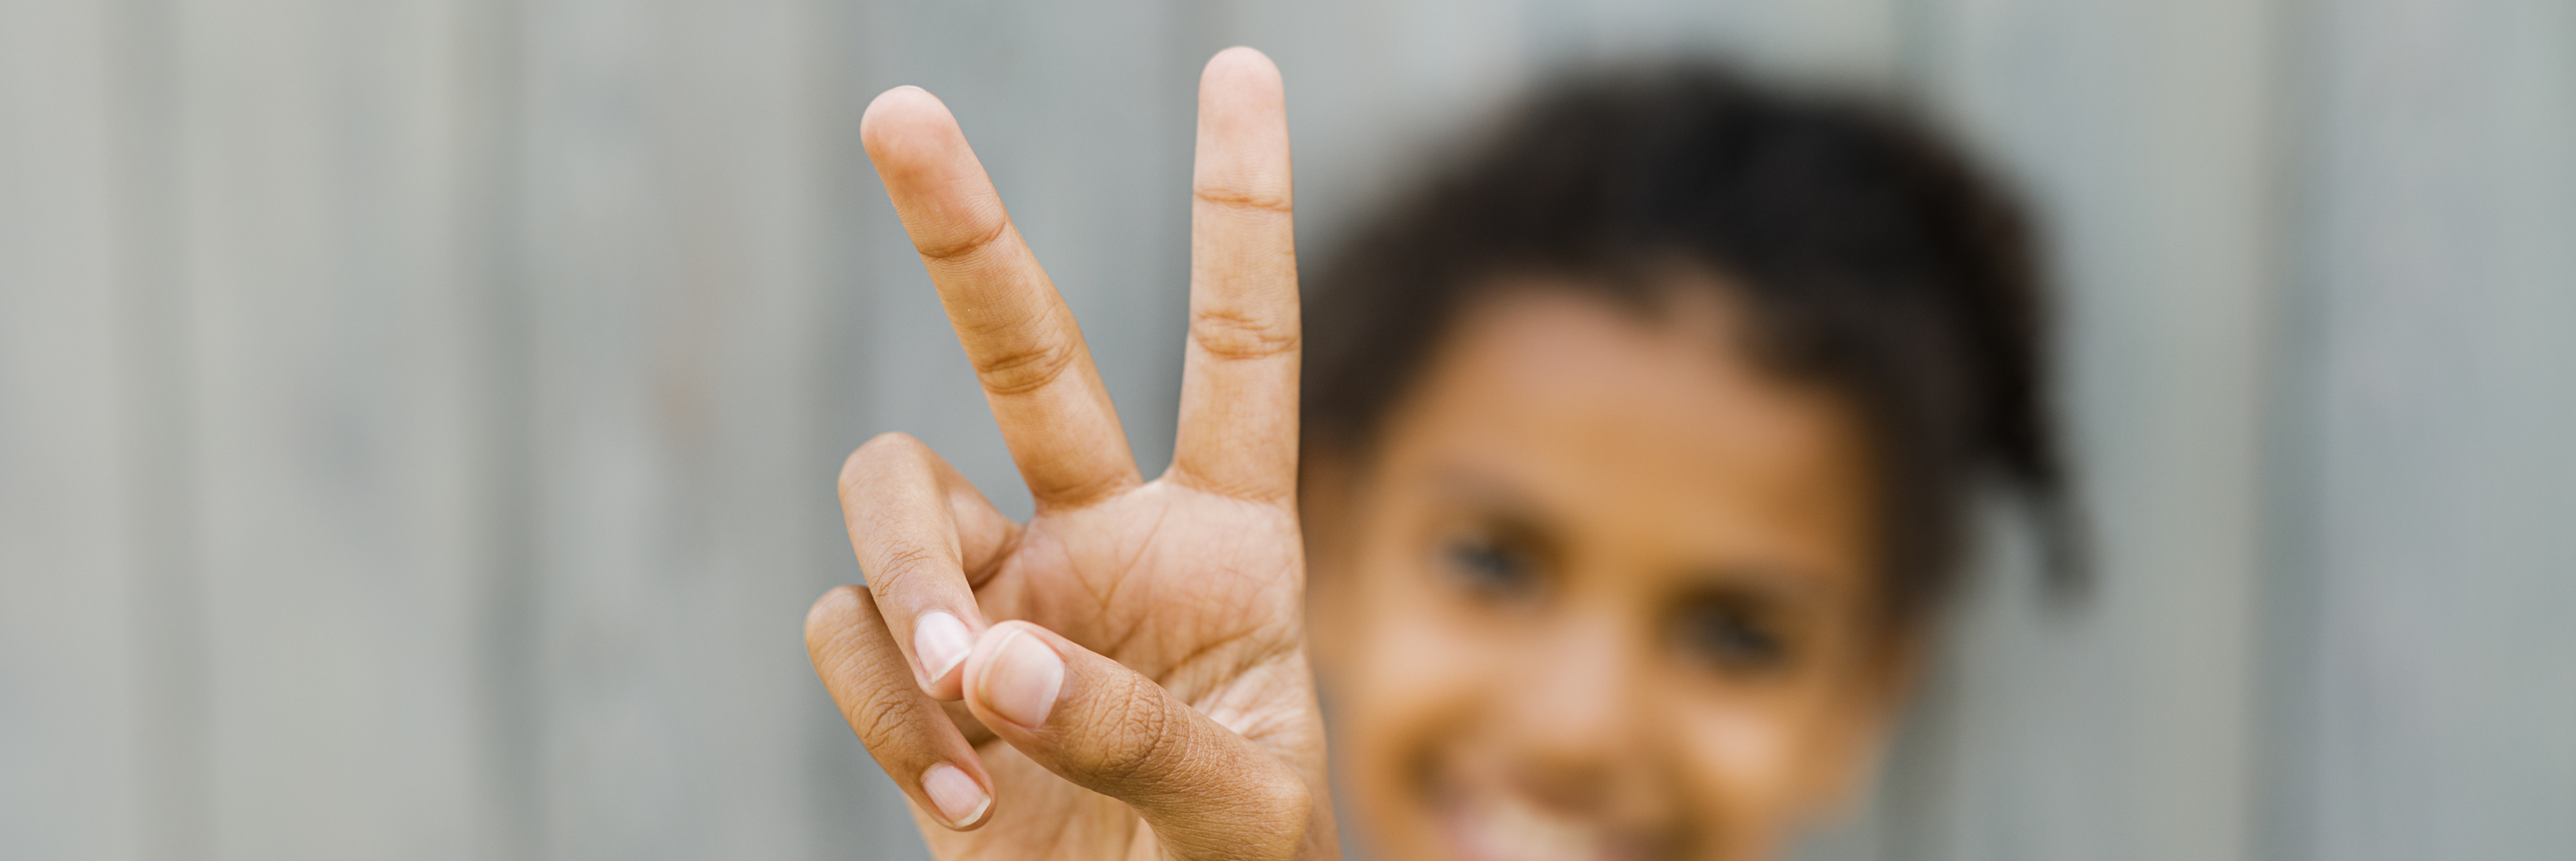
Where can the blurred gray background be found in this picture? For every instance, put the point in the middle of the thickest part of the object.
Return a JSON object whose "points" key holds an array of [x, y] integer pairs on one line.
{"points": [[418, 417]]}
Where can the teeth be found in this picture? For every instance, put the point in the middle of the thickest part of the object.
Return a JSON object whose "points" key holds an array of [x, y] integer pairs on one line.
{"points": [[1510, 831]]}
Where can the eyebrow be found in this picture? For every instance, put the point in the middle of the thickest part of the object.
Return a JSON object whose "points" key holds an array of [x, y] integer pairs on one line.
{"points": [[1527, 518], [1489, 491], [1519, 516], [1796, 588]]}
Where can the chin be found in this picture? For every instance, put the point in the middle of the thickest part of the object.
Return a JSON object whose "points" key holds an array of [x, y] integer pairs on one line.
{"points": [[1501, 828], [1469, 815]]}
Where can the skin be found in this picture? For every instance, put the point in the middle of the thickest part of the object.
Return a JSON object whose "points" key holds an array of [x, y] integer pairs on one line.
{"points": [[1134, 680], [1126, 674], [1603, 591]]}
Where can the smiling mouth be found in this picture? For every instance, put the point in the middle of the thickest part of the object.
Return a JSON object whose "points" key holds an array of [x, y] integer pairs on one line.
{"points": [[1483, 827]]}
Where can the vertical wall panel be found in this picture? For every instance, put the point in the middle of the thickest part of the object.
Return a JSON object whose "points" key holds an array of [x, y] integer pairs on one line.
{"points": [[72, 704], [668, 194], [334, 446], [2430, 699], [2120, 728]]}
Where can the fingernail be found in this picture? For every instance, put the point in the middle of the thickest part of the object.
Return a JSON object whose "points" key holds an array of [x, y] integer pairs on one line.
{"points": [[942, 643], [1023, 680], [957, 795]]}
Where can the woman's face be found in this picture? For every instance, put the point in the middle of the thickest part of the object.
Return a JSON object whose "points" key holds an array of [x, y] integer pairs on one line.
{"points": [[1603, 591]]}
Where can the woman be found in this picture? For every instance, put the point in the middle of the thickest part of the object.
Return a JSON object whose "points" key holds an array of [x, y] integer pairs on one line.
{"points": [[1636, 447]]}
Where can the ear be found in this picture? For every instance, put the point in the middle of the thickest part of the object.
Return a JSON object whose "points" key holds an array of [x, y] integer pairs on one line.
{"points": [[1899, 666]]}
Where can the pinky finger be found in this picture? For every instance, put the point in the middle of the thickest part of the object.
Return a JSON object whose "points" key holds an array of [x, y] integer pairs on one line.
{"points": [[908, 733]]}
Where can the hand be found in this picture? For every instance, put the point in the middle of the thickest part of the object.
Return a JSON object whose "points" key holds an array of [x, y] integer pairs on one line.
{"points": [[1124, 675]]}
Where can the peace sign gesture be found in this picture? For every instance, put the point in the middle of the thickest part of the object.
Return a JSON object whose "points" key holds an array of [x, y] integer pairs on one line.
{"points": [[1124, 675]]}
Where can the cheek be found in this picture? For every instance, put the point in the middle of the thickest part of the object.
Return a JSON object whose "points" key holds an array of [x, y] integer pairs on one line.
{"points": [[1410, 667], [1741, 759], [1769, 762], [1743, 754], [1418, 675], [1415, 678]]}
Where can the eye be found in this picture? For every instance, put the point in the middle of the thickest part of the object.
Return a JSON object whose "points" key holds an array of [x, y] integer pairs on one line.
{"points": [[1731, 636], [1491, 567]]}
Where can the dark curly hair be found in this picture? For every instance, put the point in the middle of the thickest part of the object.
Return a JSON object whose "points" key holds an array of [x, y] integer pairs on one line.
{"points": [[1872, 257]]}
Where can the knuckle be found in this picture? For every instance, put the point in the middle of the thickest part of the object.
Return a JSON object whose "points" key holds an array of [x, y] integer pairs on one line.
{"points": [[952, 250], [1244, 198], [1026, 368], [1237, 335], [1139, 731], [878, 454], [880, 716], [896, 566], [1078, 489]]}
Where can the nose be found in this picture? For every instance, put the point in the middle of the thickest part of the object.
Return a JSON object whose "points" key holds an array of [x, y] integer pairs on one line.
{"points": [[1578, 717]]}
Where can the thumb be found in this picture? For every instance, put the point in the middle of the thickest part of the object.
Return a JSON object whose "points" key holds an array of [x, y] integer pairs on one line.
{"points": [[1208, 792]]}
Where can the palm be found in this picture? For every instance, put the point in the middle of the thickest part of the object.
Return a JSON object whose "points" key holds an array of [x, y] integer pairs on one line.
{"points": [[1172, 581], [1196, 591], [1160, 703]]}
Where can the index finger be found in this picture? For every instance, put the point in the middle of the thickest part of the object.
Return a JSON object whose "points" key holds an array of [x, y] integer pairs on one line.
{"points": [[1028, 354]]}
